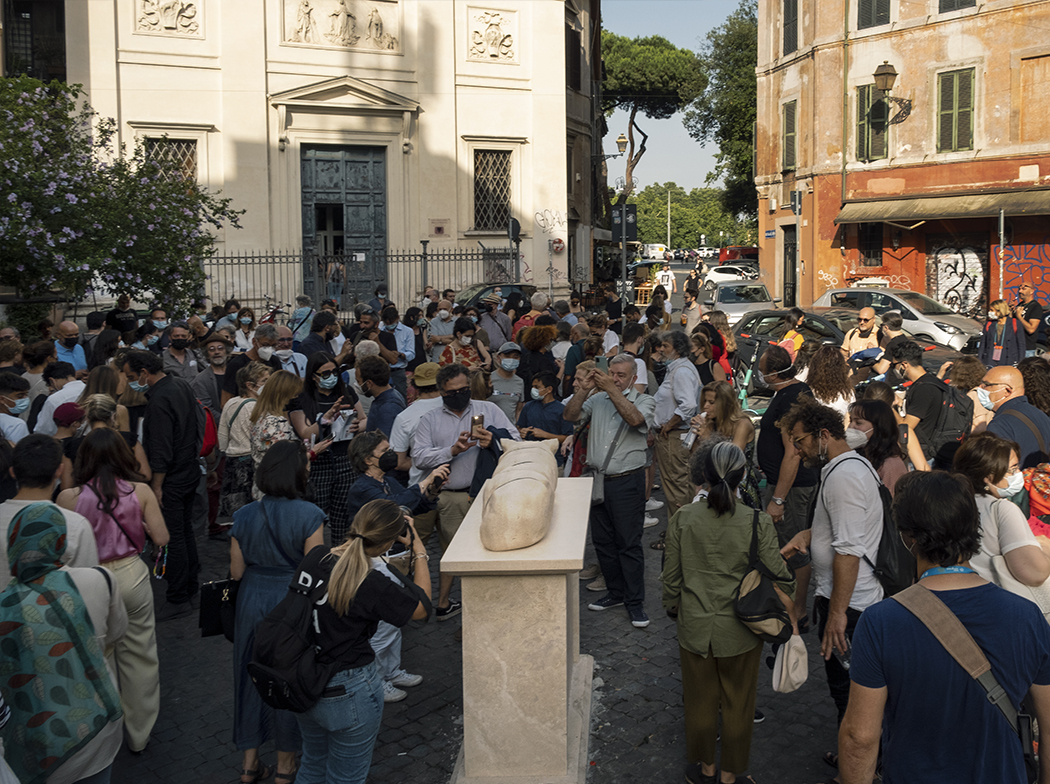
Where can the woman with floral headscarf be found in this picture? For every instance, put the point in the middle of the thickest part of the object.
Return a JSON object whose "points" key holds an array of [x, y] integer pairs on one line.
{"points": [[55, 622]]}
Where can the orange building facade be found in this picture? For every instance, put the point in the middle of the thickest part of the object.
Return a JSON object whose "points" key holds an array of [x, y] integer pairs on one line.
{"points": [[916, 186]]}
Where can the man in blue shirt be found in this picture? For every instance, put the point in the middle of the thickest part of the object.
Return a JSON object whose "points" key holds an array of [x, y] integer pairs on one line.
{"points": [[291, 360], [1002, 391], [406, 348], [68, 348], [541, 418], [373, 376]]}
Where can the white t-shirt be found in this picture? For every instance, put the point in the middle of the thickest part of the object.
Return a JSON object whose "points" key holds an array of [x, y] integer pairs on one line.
{"points": [[1003, 529], [610, 341], [404, 431], [81, 549], [847, 520], [840, 404], [666, 279], [69, 393], [12, 428]]}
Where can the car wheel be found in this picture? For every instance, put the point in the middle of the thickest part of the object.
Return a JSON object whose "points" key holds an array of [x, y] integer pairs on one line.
{"points": [[926, 337]]}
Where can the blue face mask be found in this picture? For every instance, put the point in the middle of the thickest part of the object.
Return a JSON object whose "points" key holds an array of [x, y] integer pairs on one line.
{"points": [[474, 319], [390, 327], [245, 320], [421, 323], [510, 364], [160, 324], [536, 394], [19, 406], [328, 383], [152, 339], [137, 387]]}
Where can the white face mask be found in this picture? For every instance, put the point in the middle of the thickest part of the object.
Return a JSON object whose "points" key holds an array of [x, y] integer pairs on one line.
{"points": [[993, 316], [855, 439], [283, 354], [1014, 485], [265, 352], [465, 340], [444, 314]]}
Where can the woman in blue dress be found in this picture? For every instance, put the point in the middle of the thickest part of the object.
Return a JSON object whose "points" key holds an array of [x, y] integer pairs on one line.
{"points": [[268, 540]]}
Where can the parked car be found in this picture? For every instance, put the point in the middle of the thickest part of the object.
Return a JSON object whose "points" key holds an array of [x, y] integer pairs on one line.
{"points": [[729, 272], [759, 329], [923, 316], [737, 297], [738, 252], [472, 295]]}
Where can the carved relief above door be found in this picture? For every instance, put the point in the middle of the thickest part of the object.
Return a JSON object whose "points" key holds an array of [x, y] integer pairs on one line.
{"points": [[344, 24]]}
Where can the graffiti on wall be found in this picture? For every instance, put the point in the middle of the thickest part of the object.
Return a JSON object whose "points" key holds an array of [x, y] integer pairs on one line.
{"points": [[956, 273], [1027, 264], [549, 220]]}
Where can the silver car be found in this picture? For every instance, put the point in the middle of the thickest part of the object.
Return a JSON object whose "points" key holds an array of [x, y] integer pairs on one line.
{"points": [[923, 317], [737, 297]]}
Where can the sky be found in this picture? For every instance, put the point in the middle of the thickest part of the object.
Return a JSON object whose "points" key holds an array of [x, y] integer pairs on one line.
{"points": [[670, 154]]}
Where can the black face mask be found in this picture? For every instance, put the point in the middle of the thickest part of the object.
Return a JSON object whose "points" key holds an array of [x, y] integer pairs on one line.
{"points": [[70, 342], [388, 461], [458, 400], [179, 343]]}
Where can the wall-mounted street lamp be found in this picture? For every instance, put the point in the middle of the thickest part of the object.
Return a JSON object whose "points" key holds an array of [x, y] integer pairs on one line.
{"points": [[621, 145], [885, 76]]}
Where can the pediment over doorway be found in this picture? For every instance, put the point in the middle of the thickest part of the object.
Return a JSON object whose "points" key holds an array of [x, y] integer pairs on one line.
{"points": [[344, 94]]}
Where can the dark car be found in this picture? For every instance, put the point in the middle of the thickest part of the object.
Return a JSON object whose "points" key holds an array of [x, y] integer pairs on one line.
{"points": [[759, 329], [472, 295]]}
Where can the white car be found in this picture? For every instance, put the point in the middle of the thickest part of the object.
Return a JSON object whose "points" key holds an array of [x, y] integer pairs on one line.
{"points": [[725, 272], [737, 297]]}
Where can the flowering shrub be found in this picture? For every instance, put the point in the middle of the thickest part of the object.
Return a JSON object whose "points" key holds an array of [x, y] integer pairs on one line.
{"points": [[79, 212]]}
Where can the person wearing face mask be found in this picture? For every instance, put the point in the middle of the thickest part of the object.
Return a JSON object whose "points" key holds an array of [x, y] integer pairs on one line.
{"points": [[14, 401], [1003, 337], [172, 435], [541, 418], [264, 344], [159, 318], [1002, 391], [380, 300], [844, 538], [146, 336], [446, 435], [68, 347], [291, 360], [373, 376], [441, 330], [179, 359], [873, 433], [464, 350], [415, 322], [406, 348], [245, 329], [991, 464], [789, 484], [508, 388], [65, 388], [235, 439]]}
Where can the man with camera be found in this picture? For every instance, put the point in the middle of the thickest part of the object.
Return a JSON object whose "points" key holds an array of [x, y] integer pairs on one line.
{"points": [[455, 433]]}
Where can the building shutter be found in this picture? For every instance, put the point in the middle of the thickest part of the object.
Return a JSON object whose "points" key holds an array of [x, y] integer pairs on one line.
{"points": [[882, 12], [878, 117], [789, 136], [945, 111], [865, 14], [790, 26], [964, 111], [863, 103]]}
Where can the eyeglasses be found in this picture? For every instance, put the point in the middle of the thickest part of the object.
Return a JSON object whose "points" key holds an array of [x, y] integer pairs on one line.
{"points": [[865, 320], [284, 340], [796, 441], [327, 373], [986, 384]]}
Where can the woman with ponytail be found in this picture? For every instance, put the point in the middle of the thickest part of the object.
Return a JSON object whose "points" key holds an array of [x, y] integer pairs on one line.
{"points": [[707, 554], [339, 732]]}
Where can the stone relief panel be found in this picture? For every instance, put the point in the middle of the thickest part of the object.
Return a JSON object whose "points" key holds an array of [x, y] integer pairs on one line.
{"points": [[343, 24], [168, 17], [493, 36]]}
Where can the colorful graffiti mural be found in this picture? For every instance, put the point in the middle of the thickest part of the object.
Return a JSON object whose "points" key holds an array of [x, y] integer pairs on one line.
{"points": [[1026, 264]]}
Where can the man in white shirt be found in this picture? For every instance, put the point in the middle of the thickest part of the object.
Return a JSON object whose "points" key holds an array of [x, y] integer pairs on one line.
{"points": [[14, 401], [291, 360], [666, 279], [599, 326], [844, 539], [37, 468], [61, 379]]}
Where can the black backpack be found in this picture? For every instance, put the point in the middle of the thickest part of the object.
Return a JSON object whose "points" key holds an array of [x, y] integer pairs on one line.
{"points": [[285, 667], [953, 424], [894, 565]]}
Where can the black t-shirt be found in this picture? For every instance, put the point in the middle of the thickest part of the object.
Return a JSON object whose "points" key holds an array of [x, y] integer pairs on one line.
{"points": [[924, 399], [315, 406], [122, 321], [614, 310], [235, 363], [386, 339], [314, 343], [344, 638], [771, 443], [1033, 310]]}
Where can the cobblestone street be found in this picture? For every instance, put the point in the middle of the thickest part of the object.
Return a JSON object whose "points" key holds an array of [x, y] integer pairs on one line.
{"points": [[637, 732]]}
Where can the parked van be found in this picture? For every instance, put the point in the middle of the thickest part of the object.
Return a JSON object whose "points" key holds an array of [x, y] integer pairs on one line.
{"points": [[655, 251]]}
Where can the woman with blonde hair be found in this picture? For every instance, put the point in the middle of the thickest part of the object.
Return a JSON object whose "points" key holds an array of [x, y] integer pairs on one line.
{"points": [[107, 380], [721, 417], [339, 732], [480, 385], [269, 417], [101, 410], [1003, 338], [235, 438]]}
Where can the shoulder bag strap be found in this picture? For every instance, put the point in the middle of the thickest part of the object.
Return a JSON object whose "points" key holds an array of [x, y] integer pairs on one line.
{"points": [[950, 632], [303, 320], [1030, 425], [820, 491], [266, 524], [94, 489], [612, 446]]}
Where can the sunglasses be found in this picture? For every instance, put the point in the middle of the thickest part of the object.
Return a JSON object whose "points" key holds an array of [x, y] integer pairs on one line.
{"points": [[327, 373]]}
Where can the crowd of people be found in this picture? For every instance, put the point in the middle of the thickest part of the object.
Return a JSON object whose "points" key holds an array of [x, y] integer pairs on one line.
{"points": [[333, 450]]}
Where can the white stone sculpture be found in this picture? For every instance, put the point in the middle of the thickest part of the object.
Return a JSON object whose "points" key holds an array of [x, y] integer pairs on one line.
{"points": [[492, 36], [517, 502]]}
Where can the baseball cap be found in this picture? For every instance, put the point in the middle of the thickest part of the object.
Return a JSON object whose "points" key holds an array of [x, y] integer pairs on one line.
{"points": [[67, 413], [509, 346], [426, 374]]}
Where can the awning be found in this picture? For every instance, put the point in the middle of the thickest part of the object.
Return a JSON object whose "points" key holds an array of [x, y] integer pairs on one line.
{"points": [[974, 205]]}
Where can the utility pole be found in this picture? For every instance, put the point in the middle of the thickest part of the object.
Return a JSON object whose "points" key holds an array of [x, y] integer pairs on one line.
{"points": [[668, 218]]}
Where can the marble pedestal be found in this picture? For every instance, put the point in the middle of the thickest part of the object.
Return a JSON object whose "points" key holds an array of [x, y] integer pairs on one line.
{"points": [[526, 688]]}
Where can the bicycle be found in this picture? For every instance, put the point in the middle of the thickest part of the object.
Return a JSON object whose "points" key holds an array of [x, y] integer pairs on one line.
{"points": [[273, 310]]}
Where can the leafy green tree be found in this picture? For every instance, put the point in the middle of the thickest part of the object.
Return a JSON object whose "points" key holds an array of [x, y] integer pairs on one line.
{"points": [[78, 213], [693, 214], [725, 111], [650, 76]]}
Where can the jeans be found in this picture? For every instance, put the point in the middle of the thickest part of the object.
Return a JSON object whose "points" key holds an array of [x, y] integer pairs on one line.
{"points": [[616, 531], [340, 732], [177, 504], [1032, 353], [838, 676]]}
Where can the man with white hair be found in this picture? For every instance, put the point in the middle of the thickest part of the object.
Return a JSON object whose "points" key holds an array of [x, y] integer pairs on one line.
{"points": [[539, 302], [366, 348], [441, 330]]}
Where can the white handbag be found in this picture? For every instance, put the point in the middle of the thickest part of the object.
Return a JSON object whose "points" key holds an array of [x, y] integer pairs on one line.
{"points": [[791, 666]]}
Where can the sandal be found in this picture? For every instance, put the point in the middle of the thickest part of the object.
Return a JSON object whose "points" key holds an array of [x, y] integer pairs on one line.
{"points": [[694, 774], [261, 773], [285, 778], [661, 541], [831, 759]]}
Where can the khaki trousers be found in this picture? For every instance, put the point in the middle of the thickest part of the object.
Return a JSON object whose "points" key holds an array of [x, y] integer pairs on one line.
{"points": [[452, 507], [729, 684], [672, 458], [135, 654]]}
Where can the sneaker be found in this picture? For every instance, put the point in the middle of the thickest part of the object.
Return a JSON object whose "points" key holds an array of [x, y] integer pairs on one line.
{"points": [[444, 613], [405, 679], [590, 572], [759, 716], [656, 487], [652, 505], [391, 693], [638, 617], [604, 603], [598, 585], [649, 521]]}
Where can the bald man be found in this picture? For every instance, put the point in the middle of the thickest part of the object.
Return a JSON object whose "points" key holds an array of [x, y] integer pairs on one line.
{"points": [[68, 347], [1002, 391], [862, 336]]}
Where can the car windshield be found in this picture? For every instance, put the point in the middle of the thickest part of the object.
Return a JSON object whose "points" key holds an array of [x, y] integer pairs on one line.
{"points": [[735, 295], [466, 294], [923, 304]]}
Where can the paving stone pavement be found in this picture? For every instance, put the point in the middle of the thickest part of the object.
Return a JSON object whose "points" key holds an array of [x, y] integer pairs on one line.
{"points": [[637, 729]]}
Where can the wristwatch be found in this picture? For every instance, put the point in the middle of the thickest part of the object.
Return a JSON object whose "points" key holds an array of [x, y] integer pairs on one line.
{"points": [[778, 501]]}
